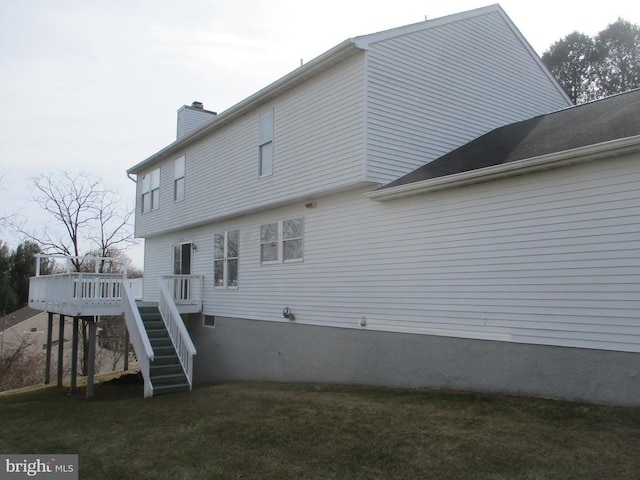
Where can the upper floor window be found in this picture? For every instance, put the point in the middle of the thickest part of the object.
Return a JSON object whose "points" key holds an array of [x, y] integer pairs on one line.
{"points": [[151, 191], [178, 178], [225, 259], [265, 144]]}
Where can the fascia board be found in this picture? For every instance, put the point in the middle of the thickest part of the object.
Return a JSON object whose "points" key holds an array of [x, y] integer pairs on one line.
{"points": [[589, 153]]}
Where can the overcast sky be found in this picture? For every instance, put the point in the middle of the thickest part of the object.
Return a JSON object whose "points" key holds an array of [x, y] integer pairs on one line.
{"points": [[94, 85]]}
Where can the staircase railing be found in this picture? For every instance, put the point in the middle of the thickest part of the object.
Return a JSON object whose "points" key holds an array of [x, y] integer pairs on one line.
{"points": [[138, 337], [177, 330]]}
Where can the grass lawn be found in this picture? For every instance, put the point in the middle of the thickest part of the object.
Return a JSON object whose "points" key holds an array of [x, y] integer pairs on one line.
{"points": [[280, 431]]}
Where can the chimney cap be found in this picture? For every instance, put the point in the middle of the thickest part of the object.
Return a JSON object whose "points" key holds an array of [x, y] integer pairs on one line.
{"points": [[198, 105]]}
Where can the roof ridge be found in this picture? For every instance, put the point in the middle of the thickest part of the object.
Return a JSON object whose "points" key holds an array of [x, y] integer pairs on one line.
{"points": [[363, 41]]}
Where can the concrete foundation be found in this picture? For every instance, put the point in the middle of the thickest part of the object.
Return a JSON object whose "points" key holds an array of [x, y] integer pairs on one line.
{"points": [[237, 349]]}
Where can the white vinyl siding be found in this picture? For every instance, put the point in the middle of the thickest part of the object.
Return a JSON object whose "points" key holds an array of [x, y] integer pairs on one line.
{"points": [[432, 91], [549, 258], [319, 131]]}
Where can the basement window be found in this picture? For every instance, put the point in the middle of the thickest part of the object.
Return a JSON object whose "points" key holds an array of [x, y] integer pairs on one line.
{"points": [[209, 321]]}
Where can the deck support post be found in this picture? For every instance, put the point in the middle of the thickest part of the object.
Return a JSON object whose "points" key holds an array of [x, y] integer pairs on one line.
{"points": [[92, 356], [60, 348], [47, 366], [74, 356], [126, 350]]}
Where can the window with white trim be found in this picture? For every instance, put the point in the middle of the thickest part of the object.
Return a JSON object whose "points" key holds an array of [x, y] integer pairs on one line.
{"points": [[293, 239], [269, 243], [282, 240], [151, 191], [226, 253], [265, 144], [178, 178]]}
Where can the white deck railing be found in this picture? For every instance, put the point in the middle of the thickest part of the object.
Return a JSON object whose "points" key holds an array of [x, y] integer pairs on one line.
{"points": [[77, 294], [185, 289], [177, 331], [138, 338]]}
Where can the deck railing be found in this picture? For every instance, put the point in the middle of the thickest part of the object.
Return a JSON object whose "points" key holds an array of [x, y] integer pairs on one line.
{"points": [[186, 291], [177, 331], [138, 338], [77, 293]]}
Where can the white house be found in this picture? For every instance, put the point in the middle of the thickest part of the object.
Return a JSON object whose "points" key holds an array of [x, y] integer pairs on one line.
{"points": [[405, 210]]}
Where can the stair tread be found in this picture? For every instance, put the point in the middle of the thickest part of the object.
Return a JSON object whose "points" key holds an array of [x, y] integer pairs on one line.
{"points": [[171, 389], [165, 372], [169, 375]]}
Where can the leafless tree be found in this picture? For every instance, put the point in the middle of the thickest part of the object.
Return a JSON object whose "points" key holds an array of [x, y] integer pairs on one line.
{"points": [[111, 342], [21, 364], [88, 216], [88, 219]]}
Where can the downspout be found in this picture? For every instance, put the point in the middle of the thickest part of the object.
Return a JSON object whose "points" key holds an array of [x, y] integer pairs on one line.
{"points": [[131, 178]]}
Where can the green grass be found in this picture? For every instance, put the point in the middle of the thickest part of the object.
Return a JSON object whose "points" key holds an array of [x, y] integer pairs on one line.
{"points": [[280, 431]]}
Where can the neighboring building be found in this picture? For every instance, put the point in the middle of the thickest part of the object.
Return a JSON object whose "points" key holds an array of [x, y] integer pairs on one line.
{"points": [[404, 210], [25, 327]]}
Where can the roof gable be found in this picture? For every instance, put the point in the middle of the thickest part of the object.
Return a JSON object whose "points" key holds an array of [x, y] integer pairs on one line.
{"points": [[598, 122], [325, 61]]}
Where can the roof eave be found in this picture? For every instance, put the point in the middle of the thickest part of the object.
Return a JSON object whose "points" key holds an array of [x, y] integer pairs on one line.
{"points": [[588, 153], [316, 66]]}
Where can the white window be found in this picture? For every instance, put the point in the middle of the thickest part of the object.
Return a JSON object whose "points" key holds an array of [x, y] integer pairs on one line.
{"points": [[178, 182], [151, 191], [225, 259], [292, 239], [269, 243], [265, 144], [289, 234]]}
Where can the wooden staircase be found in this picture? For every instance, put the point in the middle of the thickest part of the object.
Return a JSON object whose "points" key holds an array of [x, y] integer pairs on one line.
{"points": [[166, 372]]}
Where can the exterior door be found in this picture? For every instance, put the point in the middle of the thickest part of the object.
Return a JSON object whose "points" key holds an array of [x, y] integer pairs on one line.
{"points": [[182, 259], [181, 266]]}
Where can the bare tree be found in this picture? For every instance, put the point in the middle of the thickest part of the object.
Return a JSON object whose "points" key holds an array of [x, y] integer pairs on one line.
{"points": [[89, 219], [88, 216], [21, 364]]}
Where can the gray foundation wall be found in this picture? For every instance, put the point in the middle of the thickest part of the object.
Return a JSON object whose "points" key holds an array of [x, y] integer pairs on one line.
{"points": [[238, 349]]}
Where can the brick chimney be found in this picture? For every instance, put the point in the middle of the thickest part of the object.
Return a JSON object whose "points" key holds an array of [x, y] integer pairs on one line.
{"points": [[191, 117]]}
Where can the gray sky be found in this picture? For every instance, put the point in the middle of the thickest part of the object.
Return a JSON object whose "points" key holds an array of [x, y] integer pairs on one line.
{"points": [[94, 85]]}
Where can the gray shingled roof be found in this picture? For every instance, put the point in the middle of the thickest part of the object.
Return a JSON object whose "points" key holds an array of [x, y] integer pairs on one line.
{"points": [[611, 118], [17, 317]]}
